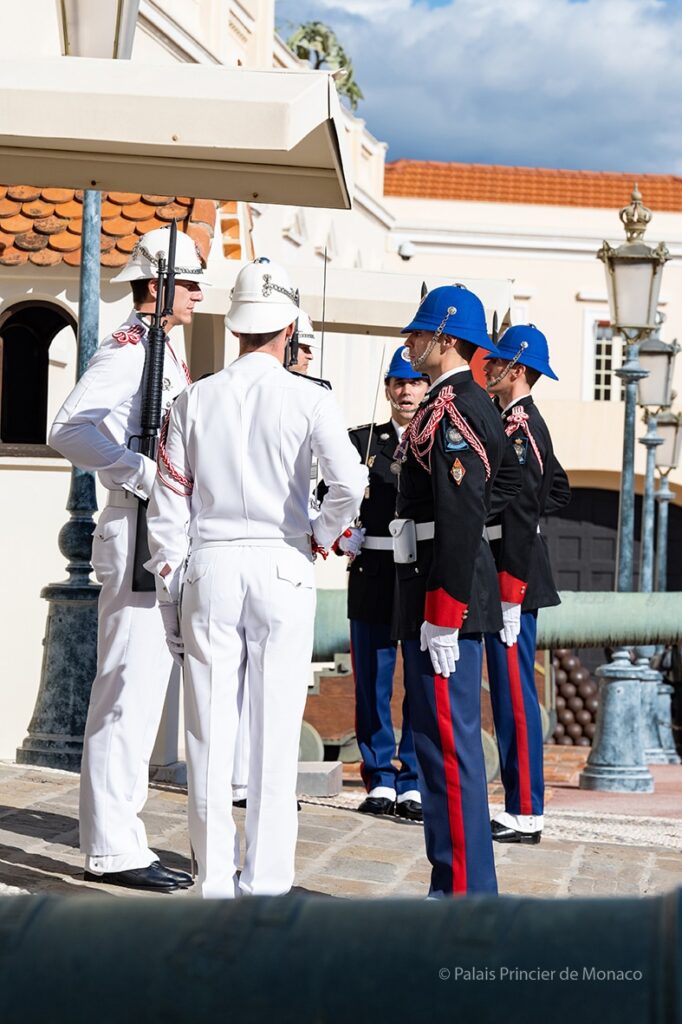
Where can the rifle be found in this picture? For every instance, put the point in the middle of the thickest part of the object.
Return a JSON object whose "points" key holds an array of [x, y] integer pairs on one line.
{"points": [[152, 386], [291, 351]]}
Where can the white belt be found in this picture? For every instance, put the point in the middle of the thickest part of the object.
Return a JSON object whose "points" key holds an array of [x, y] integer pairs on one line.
{"points": [[300, 543], [121, 499], [495, 532], [378, 543], [425, 531]]}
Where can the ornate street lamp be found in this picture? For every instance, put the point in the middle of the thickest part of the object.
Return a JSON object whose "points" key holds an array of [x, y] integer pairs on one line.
{"points": [[633, 273], [633, 280], [658, 359], [668, 454], [89, 28], [655, 394], [667, 459], [97, 28]]}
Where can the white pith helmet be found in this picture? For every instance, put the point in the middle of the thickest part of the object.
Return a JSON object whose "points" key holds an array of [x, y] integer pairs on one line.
{"points": [[143, 263], [263, 299], [306, 334]]}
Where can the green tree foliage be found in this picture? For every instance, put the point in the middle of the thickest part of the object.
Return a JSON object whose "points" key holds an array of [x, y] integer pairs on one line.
{"points": [[317, 43]]}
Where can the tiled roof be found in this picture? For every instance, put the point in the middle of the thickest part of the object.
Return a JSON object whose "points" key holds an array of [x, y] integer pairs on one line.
{"points": [[489, 183], [42, 226]]}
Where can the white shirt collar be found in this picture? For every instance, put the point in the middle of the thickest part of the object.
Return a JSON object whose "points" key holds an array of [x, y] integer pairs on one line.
{"points": [[398, 429], [444, 376], [514, 401]]}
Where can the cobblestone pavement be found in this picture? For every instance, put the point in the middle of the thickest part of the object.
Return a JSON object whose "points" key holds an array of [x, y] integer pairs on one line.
{"points": [[342, 853]]}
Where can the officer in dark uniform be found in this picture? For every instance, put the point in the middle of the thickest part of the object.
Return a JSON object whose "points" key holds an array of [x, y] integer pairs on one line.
{"points": [[450, 456], [370, 605], [525, 580]]}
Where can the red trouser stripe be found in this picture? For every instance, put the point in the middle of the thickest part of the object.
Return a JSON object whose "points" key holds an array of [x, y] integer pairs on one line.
{"points": [[521, 728], [453, 788]]}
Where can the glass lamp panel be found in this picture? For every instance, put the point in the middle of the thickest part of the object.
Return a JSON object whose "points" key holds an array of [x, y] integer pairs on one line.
{"points": [[610, 290], [633, 288], [657, 277], [97, 28], [668, 429], [655, 389]]}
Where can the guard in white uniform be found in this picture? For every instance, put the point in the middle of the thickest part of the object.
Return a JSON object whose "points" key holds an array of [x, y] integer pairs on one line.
{"points": [[93, 430], [236, 465], [309, 348]]}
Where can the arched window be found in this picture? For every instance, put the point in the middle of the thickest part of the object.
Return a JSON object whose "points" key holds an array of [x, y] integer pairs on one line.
{"points": [[27, 329]]}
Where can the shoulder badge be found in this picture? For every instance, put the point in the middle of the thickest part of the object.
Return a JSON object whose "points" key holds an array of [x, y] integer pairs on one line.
{"points": [[453, 440], [521, 449], [128, 333]]}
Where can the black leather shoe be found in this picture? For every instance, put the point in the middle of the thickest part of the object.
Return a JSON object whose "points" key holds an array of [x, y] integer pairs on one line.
{"points": [[409, 809], [379, 805], [504, 834], [181, 878], [152, 878], [242, 803]]}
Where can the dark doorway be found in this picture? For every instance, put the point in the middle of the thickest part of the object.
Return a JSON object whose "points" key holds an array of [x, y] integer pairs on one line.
{"points": [[582, 541], [27, 330], [582, 547]]}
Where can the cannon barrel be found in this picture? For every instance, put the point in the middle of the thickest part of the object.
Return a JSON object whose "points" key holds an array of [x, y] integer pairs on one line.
{"points": [[596, 619], [293, 959]]}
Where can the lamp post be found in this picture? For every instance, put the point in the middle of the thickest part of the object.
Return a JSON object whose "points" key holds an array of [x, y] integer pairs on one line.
{"points": [[633, 280], [667, 459], [655, 394], [104, 28]]}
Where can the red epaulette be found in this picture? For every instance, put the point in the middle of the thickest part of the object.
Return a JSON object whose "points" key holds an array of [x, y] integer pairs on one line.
{"points": [[128, 333]]}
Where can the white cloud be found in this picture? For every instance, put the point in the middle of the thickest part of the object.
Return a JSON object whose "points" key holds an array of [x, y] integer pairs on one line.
{"points": [[558, 83]]}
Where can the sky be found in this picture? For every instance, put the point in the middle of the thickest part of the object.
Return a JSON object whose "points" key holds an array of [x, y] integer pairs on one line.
{"points": [[585, 84]]}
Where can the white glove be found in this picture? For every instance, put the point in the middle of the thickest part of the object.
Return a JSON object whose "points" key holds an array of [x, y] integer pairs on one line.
{"points": [[171, 624], [511, 623], [441, 643], [351, 541]]}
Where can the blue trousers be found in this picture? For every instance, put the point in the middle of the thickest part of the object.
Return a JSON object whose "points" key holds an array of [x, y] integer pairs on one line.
{"points": [[446, 721], [374, 657], [516, 713]]}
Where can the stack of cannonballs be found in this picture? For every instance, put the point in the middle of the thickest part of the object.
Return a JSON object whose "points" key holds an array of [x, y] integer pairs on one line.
{"points": [[576, 701]]}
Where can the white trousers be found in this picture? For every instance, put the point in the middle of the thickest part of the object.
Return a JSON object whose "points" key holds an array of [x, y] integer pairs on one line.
{"points": [[242, 752], [246, 608], [133, 671]]}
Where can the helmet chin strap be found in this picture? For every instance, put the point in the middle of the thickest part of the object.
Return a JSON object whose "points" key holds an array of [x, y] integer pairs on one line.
{"points": [[510, 366], [420, 360], [398, 408]]}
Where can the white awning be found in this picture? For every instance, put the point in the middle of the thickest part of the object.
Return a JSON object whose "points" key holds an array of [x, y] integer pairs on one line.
{"points": [[362, 301], [181, 129]]}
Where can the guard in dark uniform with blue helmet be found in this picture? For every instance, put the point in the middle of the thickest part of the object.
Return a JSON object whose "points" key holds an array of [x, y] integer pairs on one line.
{"points": [[525, 580], [390, 789], [450, 456]]}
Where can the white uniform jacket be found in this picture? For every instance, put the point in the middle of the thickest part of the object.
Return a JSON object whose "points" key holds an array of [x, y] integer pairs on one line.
{"points": [[93, 427], [240, 444]]}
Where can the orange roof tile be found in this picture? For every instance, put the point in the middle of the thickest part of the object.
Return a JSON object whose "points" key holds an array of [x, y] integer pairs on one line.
{"points": [[43, 226], [491, 183], [234, 247]]}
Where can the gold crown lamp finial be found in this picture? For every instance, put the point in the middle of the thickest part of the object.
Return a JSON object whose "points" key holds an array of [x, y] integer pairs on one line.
{"points": [[635, 216]]}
